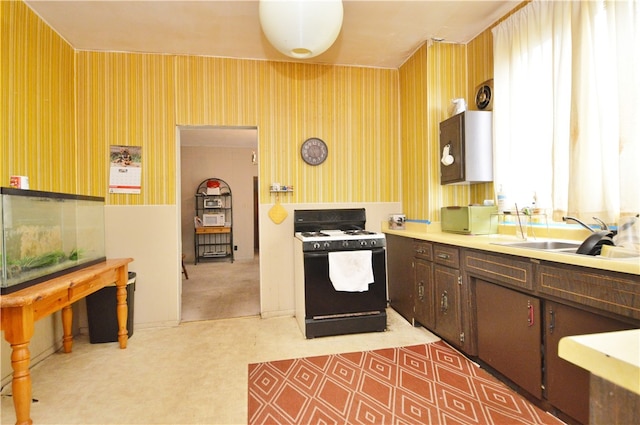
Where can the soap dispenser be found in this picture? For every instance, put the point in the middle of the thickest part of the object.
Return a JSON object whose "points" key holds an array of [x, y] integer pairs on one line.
{"points": [[502, 201]]}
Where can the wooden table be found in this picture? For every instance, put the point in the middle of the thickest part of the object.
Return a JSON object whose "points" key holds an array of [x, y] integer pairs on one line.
{"points": [[21, 309]]}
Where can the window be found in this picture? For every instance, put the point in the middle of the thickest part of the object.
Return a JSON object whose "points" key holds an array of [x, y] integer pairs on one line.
{"points": [[567, 108]]}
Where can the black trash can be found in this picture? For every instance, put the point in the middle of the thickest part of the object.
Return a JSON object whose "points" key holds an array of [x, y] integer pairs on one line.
{"points": [[102, 316]]}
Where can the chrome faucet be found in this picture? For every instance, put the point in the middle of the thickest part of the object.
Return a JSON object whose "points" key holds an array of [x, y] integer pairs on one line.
{"points": [[603, 225], [580, 222]]}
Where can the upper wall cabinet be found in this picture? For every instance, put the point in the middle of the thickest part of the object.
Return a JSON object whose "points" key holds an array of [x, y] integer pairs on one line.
{"points": [[466, 148]]}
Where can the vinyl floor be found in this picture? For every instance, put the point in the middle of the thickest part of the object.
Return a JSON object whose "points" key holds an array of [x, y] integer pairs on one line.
{"points": [[194, 373]]}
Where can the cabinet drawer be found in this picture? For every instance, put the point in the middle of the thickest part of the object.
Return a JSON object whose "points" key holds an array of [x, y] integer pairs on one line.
{"points": [[499, 269], [446, 255], [613, 292], [423, 250]]}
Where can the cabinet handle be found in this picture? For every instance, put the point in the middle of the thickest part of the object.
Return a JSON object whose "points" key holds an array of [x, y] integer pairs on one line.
{"points": [[421, 290], [444, 302], [444, 256], [531, 312], [552, 321]]}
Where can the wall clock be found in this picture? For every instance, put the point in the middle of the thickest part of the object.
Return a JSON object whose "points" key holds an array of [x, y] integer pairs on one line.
{"points": [[314, 151]]}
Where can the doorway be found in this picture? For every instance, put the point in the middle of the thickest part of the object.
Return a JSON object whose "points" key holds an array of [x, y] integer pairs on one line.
{"points": [[218, 288]]}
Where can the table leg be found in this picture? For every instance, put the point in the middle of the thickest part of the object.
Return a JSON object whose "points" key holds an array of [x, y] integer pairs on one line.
{"points": [[67, 322], [17, 324], [21, 384], [121, 307]]}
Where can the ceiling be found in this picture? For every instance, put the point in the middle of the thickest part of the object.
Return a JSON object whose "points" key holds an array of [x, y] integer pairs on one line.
{"points": [[374, 33]]}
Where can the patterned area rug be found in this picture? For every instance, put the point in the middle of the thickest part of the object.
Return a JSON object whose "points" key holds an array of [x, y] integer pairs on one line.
{"points": [[422, 384]]}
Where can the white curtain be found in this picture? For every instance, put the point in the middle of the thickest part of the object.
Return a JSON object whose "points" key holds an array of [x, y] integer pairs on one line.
{"points": [[567, 108]]}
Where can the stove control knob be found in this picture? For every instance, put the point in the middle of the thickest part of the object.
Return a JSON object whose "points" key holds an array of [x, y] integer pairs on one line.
{"points": [[326, 245], [363, 243], [316, 245], [345, 244], [373, 242]]}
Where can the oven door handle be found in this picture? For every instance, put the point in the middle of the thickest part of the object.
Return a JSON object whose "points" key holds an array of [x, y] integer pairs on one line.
{"points": [[326, 253]]}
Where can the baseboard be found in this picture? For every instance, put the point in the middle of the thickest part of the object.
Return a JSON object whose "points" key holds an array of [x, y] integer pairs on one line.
{"points": [[279, 313]]}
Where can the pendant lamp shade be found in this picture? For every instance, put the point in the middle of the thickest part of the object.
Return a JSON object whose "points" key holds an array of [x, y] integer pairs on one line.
{"points": [[301, 29]]}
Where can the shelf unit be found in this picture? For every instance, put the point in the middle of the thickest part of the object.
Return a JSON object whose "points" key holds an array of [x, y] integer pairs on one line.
{"points": [[213, 238]]}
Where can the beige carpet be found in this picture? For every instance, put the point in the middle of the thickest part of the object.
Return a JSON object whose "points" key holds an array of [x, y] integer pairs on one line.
{"points": [[221, 290]]}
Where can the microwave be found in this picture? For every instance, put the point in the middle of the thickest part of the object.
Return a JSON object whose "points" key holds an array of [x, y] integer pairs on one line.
{"points": [[213, 203], [213, 219], [471, 220]]}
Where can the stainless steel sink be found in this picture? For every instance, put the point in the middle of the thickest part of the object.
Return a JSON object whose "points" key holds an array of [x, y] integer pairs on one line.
{"points": [[558, 246]]}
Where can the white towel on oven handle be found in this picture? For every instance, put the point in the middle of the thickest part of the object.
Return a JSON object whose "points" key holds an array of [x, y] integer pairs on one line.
{"points": [[351, 271]]}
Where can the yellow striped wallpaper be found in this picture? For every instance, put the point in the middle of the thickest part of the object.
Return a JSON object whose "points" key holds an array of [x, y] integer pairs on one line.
{"points": [[447, 80], [138, 99], [480, 66], [414, 127], [127, 99], [436, 74], [37, 106], [429, 80], [354, 110]]}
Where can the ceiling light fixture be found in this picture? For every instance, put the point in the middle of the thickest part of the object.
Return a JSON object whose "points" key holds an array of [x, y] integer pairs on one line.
{"points": [[301, 29]]}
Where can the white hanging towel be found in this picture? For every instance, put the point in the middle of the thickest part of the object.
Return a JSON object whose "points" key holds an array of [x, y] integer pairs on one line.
{"points": [[351, 271]]}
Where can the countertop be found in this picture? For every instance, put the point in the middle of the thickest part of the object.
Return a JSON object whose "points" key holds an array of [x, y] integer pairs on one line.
{"points": [[431, 232], [614, 356]]}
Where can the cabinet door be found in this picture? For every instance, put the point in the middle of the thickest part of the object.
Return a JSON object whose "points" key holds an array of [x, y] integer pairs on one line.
{"points": [[452, 135], [567, 385], [424, 306], [509, 334], [447, 303], [400, 275]]}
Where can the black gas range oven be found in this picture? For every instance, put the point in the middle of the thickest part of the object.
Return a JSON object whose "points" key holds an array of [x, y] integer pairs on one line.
{"points": [[340, 273]]}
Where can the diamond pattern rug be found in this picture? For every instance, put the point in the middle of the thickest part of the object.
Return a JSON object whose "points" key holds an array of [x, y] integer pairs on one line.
{"points": [[421, 384]]}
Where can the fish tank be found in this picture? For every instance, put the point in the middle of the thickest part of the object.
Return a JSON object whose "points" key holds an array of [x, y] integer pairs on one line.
{"points": [[46, 235]]}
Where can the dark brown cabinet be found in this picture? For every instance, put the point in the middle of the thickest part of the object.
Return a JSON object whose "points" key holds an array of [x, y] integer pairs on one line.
{"points": [[424, 287], [448, 323], [466, 148], [448, 294], [511, 312], [509, 332], [567, 385], [401, 289], [424, 313], [612, 292]]}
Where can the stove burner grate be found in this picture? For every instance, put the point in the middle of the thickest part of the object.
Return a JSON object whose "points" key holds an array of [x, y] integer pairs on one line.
{"points": [[313, 234], [358, 232]]}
